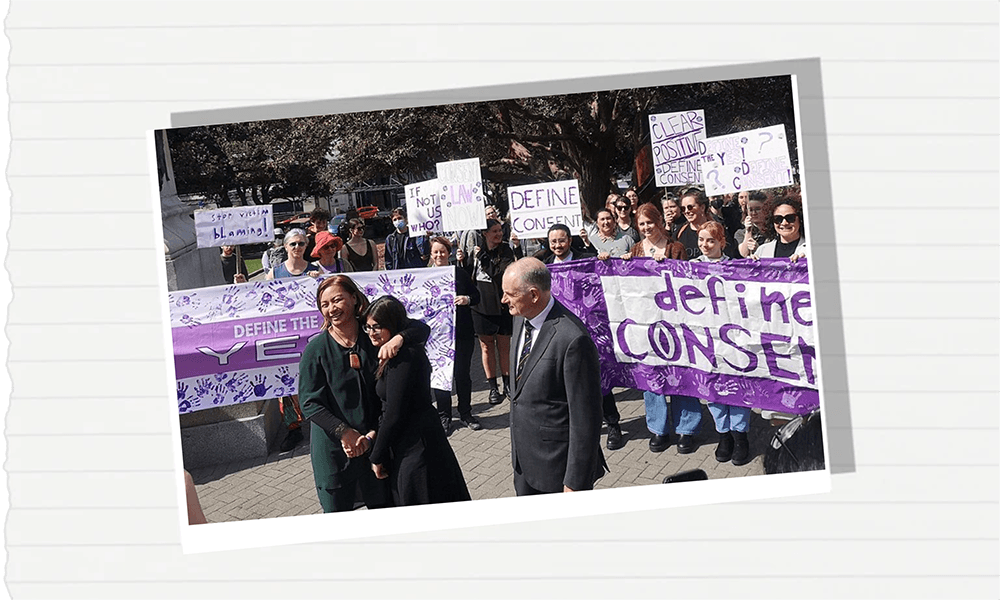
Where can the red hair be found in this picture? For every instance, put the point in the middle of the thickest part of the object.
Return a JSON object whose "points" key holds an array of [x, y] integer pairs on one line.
{"points": [[715, 230]]}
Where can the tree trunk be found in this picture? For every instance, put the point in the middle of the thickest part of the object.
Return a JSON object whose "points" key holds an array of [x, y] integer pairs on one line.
{"points": [[224, 201], [265, 193], [253, 194], [242, 194]]}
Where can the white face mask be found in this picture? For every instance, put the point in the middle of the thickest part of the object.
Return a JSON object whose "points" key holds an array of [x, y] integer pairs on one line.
{"points": [[399, 224]]}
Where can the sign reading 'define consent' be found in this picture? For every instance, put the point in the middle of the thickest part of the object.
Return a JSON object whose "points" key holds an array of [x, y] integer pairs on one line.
{"points": [[536, 207], [675, 141], [234, 226], [423, 213], [746, 161], [460, 185], [737, 332]]}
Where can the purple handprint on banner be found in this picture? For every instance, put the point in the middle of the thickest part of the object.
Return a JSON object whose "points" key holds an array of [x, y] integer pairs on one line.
{"points": [[371, 291], [406, 283], [189, 321], [386, 284], [726, 388], [259, 389], [701, 384], [432, 288], [285, 378], [237, 381], [790, 399]]}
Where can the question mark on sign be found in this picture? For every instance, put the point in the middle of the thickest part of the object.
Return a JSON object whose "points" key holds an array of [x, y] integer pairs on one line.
{"points": [[769, 138], [715, 172]]}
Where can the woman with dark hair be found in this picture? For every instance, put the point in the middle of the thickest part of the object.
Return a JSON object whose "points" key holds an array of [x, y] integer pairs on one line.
{"points": [[466, 296], [337, 391], [410, 447], [694, 205], [784, 218], [626, 222], [754, 231], [491, 319], [359, 252], [673, 217]]}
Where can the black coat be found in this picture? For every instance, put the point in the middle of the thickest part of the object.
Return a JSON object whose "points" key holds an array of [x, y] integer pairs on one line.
{"points": [[410, 441]]}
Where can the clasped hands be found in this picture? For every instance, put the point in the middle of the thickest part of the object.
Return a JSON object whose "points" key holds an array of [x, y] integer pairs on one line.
{"points": [[355, 444]]}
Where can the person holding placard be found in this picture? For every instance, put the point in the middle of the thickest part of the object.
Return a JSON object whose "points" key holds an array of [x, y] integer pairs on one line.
{"points": [[490, 318], [233, 270], [561, 247], [466, 296], [785, 219], [672, 215], [731, 422]]}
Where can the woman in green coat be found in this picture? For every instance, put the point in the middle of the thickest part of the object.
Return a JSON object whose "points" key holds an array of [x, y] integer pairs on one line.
{"points": [[337, 395]]}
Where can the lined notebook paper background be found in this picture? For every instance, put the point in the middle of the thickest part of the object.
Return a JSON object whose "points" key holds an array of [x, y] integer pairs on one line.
{"points": [[911, 106]]}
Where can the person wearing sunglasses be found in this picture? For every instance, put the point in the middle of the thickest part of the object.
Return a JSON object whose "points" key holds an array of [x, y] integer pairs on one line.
{"points": [[410, 448], [694, 206], [359, 252], [295, 265], [785, 219], [623, 215], [754, 231]]}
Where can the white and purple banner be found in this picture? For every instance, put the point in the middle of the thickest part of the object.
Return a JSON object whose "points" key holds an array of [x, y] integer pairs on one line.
{"points": [[234, 226], [738, 332], [242, 342]]}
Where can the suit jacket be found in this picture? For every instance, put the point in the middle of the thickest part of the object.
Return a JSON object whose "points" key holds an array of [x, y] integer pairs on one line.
{"points": [[555, 411]]}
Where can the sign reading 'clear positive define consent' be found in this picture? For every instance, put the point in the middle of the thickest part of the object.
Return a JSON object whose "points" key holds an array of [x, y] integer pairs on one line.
{"points": [[536, 207], [675, 141], [234, 226], [423, 213], [460, 184], [746, 161]]}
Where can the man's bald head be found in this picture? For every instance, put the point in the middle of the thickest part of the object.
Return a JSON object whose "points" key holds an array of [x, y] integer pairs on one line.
{"points": [[527, 287]]}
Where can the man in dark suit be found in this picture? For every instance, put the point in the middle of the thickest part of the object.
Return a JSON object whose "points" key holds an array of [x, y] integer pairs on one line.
{"points": [[555, 411]]}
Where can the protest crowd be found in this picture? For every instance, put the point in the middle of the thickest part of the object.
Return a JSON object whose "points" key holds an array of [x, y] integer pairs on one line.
{"points": [[379, 430]]}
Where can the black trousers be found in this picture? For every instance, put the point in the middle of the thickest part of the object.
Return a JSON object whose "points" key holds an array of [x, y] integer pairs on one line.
{"points": [[610, 409], [464, 347]]}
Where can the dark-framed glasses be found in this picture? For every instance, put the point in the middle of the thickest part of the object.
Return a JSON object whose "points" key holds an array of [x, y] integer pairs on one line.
{"points": [[372, 328], [296, 244]]}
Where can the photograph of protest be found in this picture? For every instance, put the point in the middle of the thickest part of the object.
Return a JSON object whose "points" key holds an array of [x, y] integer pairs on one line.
{"points": [[491, 299]]}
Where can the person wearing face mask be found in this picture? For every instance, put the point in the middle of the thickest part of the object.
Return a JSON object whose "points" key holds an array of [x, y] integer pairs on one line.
{"points": [[401, 250]]}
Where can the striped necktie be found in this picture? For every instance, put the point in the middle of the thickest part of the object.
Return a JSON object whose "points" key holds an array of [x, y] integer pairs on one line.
{"points": [[525, 350]]}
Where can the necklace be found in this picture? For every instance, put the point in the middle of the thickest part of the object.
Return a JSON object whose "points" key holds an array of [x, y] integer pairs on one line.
{"points": [[352, 348]]}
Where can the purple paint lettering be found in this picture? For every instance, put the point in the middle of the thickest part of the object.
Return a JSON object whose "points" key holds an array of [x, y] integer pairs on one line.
{"points": [[658, 337], [620, 336], [768, 300], [692, 343], [799, 301], [771, 355], [724, 335]]}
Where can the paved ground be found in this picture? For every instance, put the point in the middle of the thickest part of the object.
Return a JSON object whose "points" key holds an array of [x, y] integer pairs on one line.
{"points": [[281, 484]]}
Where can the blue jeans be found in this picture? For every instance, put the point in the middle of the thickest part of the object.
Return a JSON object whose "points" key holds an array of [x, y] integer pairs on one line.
{"points": [[686, 412], [730, 418]]}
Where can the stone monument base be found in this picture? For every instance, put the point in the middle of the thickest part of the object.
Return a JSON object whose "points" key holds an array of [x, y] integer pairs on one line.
{"points": [[220, 435]]}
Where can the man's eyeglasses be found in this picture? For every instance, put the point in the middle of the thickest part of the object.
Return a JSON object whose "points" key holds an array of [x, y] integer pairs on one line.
{"points": [[296, 244], [371, 328], [778, 219]]}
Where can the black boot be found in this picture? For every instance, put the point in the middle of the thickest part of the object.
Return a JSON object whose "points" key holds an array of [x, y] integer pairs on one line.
{"points": [[495, 396], [506, 386], [724, 451], [741, 449]]}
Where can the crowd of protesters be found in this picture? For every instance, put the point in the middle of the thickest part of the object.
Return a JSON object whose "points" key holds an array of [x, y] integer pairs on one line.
{"points": [[404, 441]]}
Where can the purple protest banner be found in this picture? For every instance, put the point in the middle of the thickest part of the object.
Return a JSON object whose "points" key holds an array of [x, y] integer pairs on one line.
{"points": [[737, 332], [239, 343]]}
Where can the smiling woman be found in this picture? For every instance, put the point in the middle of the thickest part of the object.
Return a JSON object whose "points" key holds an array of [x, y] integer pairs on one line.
{"points": [[785, 220]]}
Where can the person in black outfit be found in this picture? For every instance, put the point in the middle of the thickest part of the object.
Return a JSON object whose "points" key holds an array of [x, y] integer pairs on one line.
{"points": [[233, 270], [410, 447], [466, 295]]}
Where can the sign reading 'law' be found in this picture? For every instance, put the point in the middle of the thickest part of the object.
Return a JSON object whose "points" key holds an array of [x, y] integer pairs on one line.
{"points": [[234, 226], [460, 184], [746, 161], [536, 207], [423, 213], [675, 139]]}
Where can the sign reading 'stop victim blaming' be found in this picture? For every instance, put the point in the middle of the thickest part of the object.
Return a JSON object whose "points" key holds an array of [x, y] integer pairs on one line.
{"points": [[676, 142], [460, 185], [536, 207], [746, 161], [234, 226]]}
